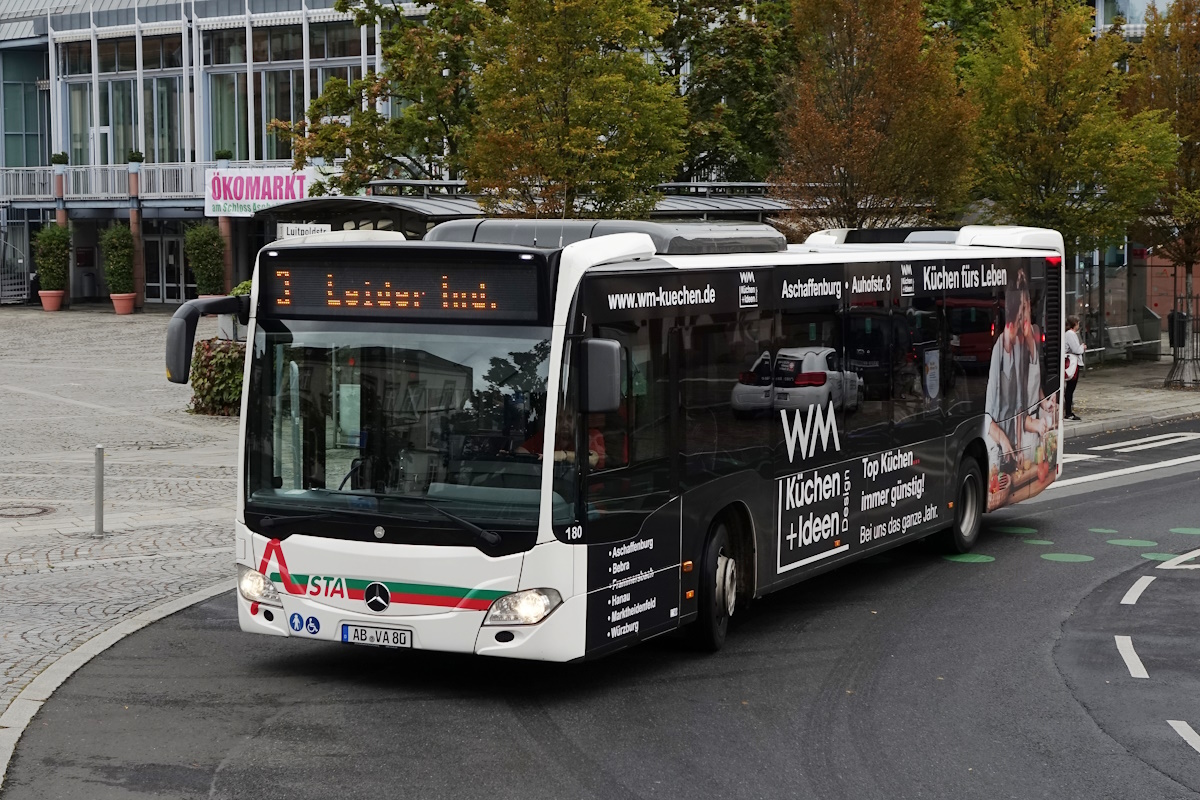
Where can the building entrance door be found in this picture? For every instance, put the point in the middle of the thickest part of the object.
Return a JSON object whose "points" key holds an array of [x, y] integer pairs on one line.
{"points": [[168, 278]]}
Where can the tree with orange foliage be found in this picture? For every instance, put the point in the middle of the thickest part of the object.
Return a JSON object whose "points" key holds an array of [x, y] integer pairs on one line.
{"points": [[876, 131]]}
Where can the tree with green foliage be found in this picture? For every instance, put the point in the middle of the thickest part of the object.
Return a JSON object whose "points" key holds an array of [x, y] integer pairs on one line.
{"points": [[727, 58], [875, 132], [573, 117], [411, 120], [970, 21], [204, 249], [52, 249], [1058, 148], [116, 245], [1166, 77]]}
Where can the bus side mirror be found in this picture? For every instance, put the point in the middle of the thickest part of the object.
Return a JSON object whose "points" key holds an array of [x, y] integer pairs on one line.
{"points": [[181, 332], [601, 376]]}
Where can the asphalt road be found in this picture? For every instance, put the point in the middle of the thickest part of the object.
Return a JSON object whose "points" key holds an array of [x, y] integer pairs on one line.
{"points": [[905, 676]]}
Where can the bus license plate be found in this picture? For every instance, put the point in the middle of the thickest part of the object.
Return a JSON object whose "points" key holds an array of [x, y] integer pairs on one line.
{"points": [[380, 637]]}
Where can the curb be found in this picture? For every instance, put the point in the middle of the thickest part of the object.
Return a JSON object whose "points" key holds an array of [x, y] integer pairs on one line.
{"points": [[26, 704], [1127, 421]]}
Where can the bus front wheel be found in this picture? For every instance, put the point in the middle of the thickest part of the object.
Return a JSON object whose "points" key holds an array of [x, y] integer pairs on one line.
{"points": [[718, 590], [968, 508]]}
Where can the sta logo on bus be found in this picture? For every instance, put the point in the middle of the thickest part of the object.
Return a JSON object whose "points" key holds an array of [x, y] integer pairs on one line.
{"points": [[803, 434]]}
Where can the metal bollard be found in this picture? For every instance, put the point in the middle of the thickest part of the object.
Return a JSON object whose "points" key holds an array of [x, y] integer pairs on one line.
{"points": [[99, 532]]}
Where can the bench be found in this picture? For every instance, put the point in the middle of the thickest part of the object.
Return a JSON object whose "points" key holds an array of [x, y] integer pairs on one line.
{"points": [[1127, 339]]}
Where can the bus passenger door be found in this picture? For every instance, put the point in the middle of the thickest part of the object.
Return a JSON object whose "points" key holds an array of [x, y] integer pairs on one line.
{"points": [[814, 390], [919, 359]]}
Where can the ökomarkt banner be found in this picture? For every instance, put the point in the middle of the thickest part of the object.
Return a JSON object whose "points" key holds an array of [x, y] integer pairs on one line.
{"points": [[241, 191]]}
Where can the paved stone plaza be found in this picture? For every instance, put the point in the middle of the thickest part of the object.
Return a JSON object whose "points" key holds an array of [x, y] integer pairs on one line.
{"points": [[70, 381]]}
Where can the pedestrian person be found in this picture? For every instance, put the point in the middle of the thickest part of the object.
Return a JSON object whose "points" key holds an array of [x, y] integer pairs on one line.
{"points": [[1075, 349]]}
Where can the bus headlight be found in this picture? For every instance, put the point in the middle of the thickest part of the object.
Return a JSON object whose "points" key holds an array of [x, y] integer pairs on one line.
{"points": [[527, 607], [255, 587]]}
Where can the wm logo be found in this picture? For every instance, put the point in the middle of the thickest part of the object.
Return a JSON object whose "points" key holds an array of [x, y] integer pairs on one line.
{"points": [[803, 434], [747, 277]]}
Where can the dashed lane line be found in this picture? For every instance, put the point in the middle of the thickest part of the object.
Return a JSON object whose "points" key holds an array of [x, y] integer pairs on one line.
{"points": [[1179, 561], [1135, 591], [1132, 662], [1116, 473], [1183, 729], [1161, 440]]}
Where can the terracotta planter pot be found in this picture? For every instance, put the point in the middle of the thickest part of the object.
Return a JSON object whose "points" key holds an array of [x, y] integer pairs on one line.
{"points": [[123, 302], [51, 299]]}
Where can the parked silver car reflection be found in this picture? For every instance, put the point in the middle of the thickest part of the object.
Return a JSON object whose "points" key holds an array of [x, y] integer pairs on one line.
{"points": [[800, 377]]}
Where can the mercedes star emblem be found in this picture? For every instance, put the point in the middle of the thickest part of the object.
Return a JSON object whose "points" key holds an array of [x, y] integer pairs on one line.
{"points": [[377, 597], [379, 532]]}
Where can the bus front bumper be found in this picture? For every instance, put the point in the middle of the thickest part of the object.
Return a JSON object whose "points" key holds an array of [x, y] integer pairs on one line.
{"points": [[558, 637]]}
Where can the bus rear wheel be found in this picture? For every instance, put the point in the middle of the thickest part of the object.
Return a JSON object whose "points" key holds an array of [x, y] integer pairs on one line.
{"points": [[718, 590], [968, 508]]}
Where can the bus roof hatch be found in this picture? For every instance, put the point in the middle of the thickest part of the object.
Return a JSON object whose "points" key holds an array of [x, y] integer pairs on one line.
{"points": [[674, 238]]}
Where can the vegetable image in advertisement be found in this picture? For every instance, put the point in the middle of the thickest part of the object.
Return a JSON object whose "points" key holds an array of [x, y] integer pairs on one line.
{"points": [[1021, 422]]}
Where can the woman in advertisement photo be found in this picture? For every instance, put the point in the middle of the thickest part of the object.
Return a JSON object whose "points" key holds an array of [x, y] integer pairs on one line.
{"points": [[1021, 422]]}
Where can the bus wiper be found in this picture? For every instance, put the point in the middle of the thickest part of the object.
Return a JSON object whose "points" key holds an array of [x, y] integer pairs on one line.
{"points": [[484, 535], [282, 519]]}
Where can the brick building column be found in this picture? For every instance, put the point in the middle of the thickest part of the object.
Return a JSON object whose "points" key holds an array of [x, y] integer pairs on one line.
{"points": [[225, 225], [135, 228], [60, 219]]}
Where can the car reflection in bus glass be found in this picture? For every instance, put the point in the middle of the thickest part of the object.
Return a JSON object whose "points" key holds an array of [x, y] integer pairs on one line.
{"points": [[802, 377]]}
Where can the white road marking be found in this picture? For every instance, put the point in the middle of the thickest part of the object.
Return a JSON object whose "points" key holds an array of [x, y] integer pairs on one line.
{"points": [[1177, 561], [1185, 730], [1067, 458], [1132, 662], [1135, 591], [1145, 443], [1116, 473]]}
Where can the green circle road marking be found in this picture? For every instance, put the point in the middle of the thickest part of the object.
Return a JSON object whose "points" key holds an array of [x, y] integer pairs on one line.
{"points": [[1102, 530], [1191, 531], [1132, 543], [1158, 556], [1068, 557], [1014, 529], [969, 558], [1038, 541]]}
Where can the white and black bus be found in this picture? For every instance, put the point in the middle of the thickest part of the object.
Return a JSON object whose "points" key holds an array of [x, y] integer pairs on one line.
{"points": [[553, 440]]}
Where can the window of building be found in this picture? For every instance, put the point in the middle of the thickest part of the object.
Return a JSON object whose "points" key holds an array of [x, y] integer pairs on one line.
{"points": [[261, 39], [77, 58], [228, 110], [287, 43], [126, 55], [342, 40], [172, 51], [106, 50], [316, 41], [151, 52], [79, 105], [225, 47]]}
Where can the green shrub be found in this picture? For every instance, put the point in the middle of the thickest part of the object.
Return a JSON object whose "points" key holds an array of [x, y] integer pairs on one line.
{"points": [[52, 247], [223, 155], [116, 244], [217, 367], [60, 158], [205, 252], [242, 288], [135, 156]]}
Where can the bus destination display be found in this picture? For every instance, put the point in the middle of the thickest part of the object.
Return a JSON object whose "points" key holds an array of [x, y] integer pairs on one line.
{"points": [[408, 291]]}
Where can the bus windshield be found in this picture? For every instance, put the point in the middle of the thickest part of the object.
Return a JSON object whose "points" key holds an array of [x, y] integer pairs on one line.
{"points": [[380, 420]]}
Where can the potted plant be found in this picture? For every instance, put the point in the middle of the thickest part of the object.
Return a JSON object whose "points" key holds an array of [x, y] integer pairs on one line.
{"points": [[116, 244], [204, 250], [59, 161], [52, 247], [134, 159], [222, 156]]}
